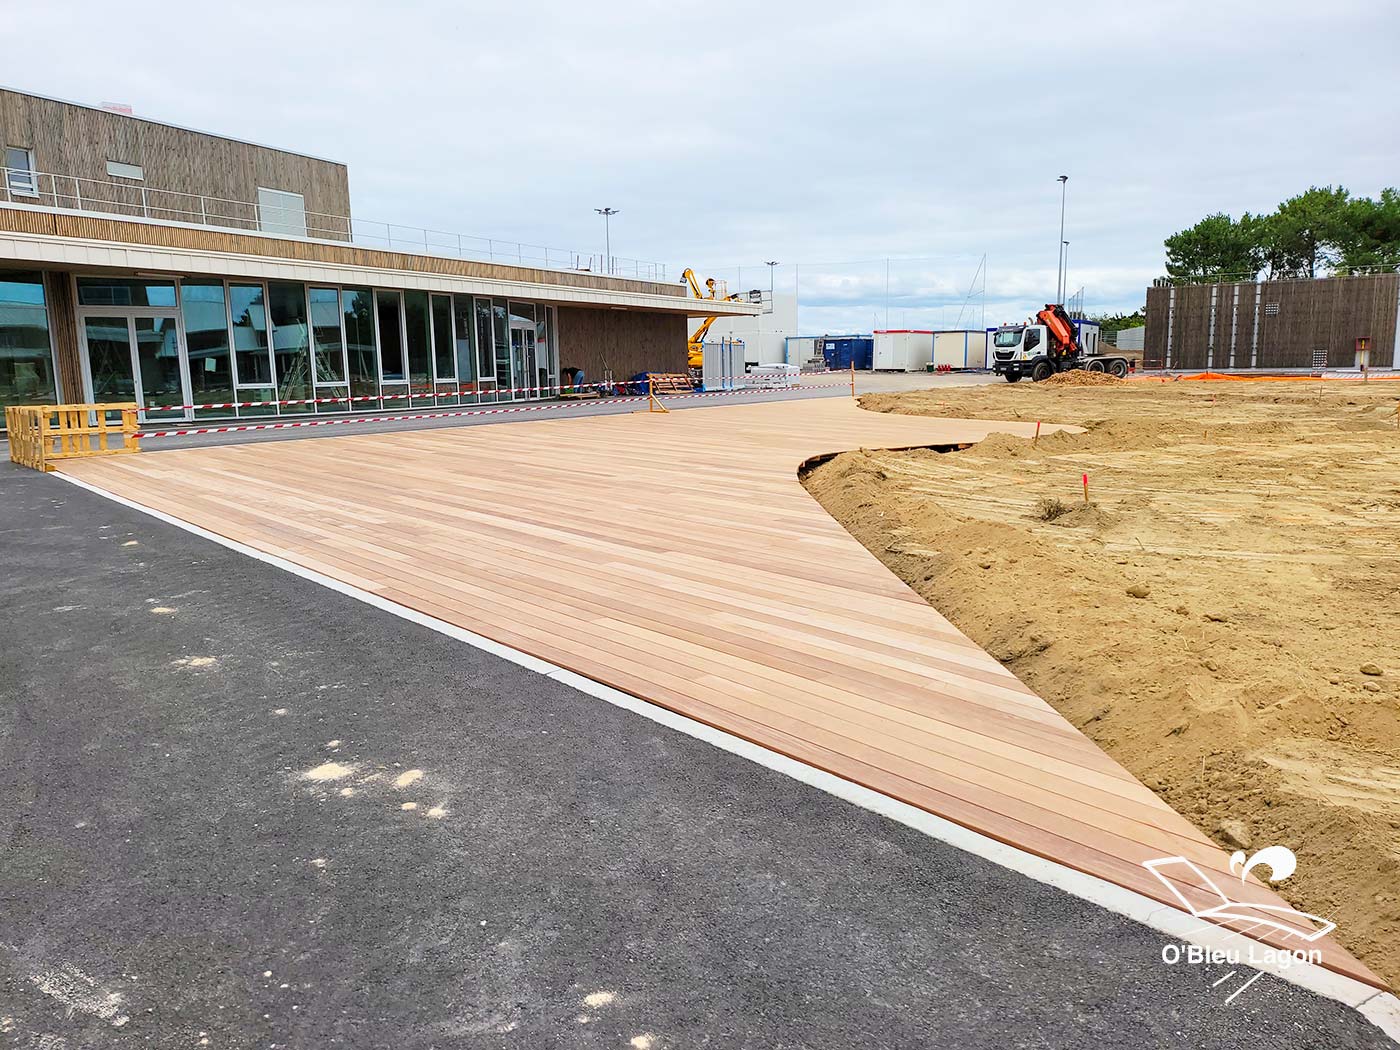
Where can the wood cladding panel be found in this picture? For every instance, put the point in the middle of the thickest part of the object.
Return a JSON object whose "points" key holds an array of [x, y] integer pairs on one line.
{"points": [[1190, 327], [75, 140], [1154, 338], [63, 331], [678, 558], [1294, 319], [623, 342], [69, 224]]}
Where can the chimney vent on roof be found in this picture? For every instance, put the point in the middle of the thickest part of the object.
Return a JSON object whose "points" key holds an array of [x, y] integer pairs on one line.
{"points": [[118, 107]]}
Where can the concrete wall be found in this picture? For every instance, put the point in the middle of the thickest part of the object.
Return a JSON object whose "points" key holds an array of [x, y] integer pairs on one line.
{"points": [[1131, 338], [764, 335]]}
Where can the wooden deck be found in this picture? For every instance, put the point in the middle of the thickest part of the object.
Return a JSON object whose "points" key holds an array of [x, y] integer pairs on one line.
{"points": [[678, 558]]}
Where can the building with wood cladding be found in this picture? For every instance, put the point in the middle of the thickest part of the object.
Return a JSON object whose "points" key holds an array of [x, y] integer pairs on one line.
{"points": [[194, 273], [1297, 324]]}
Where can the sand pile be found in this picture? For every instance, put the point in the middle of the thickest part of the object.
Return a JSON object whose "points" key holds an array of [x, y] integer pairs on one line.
{"points": [[1080, 377], [1222, 618]]}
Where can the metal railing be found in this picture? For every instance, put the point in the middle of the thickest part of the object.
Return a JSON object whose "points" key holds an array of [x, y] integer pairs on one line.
{"points": [[1262, 277], [43, 189]]}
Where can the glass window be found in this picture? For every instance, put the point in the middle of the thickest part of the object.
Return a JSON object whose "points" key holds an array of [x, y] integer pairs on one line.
{"points": [[390, 338], [121, 291], [281, 211], [357, 308], [484, 342], [325, 333], [444, 357], [1007, 337], [249, 334], [206, 338], [420, 354], [291, 344], [119, 170], [465, 329], [109, 358], [158, 356], [543, 361], [19, 172], [500, 325], [26, 356]]}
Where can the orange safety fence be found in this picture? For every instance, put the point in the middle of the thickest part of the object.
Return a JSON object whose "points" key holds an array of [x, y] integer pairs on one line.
{"points": [[1197, 377]]}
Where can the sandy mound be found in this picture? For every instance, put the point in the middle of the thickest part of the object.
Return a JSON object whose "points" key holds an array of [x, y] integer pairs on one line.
{"points": [[1080, 377], [1213, 619]]}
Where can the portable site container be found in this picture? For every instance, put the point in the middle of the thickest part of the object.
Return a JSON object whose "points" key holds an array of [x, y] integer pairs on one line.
{"points": [[723, 365], [1087, 332], [800, 350], [843, 351], [960, 349], [902, 350]]}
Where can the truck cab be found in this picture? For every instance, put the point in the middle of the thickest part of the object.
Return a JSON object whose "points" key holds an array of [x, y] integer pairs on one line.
{"points": [[1016, 348]]}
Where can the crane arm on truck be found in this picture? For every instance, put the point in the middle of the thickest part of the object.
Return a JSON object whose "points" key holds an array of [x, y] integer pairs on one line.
{"points": [[1061, 328]]}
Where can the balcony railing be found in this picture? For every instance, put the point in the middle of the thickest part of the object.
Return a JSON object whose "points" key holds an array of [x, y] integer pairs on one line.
{"points": [[136, 200]]}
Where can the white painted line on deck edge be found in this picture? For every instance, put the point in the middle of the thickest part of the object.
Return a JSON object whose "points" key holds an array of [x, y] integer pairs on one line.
{"points": [[1382, 1009]]}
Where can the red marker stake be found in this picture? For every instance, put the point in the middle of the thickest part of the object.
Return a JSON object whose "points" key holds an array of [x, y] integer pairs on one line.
{"points": [[1037, 434], [1086, 488]]}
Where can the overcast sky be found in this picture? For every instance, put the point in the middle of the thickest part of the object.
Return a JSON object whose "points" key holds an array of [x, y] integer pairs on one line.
{"points": [[823, 135]]}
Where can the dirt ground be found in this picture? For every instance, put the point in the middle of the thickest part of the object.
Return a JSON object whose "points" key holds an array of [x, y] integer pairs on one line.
{"points": [[1223, 618]]}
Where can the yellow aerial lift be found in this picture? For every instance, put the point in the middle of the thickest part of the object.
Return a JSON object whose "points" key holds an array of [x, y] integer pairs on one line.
{"points": [[696, 343]]}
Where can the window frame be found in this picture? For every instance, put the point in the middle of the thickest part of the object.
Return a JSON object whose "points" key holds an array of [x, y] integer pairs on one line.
{"points": [[279, 229], [11, 187], [54, 377], [140, 170]]}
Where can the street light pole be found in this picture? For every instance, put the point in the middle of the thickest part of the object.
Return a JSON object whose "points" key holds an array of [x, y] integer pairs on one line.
{"points": [[1060, 273], [1064, 252], [607, 214], [770, 264]]}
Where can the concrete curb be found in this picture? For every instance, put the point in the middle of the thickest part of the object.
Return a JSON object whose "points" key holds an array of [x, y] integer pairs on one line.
{"points": [[1382, 1009]]}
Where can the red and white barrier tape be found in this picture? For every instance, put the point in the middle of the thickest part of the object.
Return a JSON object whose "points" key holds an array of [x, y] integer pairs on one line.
{"points": [[422, 392], [245, 427]]}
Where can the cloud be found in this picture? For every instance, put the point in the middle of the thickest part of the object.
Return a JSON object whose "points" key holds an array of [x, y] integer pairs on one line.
{"points": [[810, 133]]}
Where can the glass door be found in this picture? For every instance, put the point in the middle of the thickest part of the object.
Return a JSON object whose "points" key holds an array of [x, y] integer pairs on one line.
{"points": [[110, 373], [159, 374], [393, 358], [136, 356], [522, 361]]}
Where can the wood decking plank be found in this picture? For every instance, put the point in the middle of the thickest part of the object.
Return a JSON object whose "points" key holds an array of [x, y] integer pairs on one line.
{"points": [[678, 558]]}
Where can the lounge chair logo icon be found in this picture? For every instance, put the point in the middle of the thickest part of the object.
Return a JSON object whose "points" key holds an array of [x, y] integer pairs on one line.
{"points": [[1213, 904]]}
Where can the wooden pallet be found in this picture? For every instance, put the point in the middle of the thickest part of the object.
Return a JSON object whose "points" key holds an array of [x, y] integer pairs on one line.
{"points": [[670, 383], [40, 435]]}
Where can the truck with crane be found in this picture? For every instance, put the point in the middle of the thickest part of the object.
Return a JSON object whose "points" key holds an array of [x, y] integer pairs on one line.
{"points": [[1052, 342]]}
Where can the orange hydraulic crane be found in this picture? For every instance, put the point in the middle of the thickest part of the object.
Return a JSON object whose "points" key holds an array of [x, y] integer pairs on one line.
{"points": [[1063, 342], [695, 344]]}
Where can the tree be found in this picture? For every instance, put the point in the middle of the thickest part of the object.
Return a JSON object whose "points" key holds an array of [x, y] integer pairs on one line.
{"points": [[1111, 324], [1215, 246], [1322, 230], [1309, 231], [1375, 233]]}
